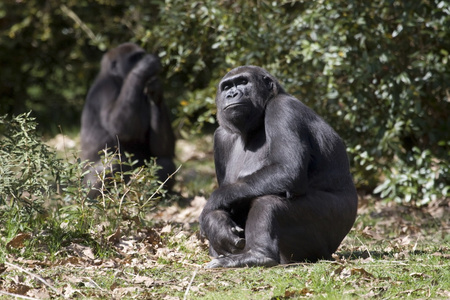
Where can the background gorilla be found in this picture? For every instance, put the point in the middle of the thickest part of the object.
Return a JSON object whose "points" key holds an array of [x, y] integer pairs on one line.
{"points": [[125, 108], [285, 192]]}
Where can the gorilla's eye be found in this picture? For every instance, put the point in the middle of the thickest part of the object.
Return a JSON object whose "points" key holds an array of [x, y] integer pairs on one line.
{"points": [[242, 81], [226, 86]]}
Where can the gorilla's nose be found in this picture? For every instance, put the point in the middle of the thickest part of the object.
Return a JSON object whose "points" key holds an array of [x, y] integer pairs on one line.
{"points": [[232, 93]]}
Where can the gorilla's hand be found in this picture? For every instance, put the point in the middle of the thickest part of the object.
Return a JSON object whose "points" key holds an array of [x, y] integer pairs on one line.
{"points": [[147, 67], [224, 235], [154, 90]]}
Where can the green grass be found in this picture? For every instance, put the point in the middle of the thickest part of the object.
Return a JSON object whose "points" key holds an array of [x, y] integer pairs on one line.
{"points": [[392, 252], [421, 275], [94, 252]]}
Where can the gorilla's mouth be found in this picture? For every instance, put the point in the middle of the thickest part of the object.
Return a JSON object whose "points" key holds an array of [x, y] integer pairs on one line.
{"points": [[234, 105]]}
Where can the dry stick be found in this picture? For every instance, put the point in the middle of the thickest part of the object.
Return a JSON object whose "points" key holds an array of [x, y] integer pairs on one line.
{"points": [[367, 248], [16, 295], [35, 276], [162, 184], [94, 283], [68, 12], [189, 286], [192, 265]]}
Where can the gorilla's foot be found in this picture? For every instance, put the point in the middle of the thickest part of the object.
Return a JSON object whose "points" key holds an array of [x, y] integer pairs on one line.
{"points": [[247, 259]]}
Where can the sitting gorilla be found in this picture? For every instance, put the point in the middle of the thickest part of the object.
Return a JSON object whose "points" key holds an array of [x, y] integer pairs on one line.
{"points": [[125, 111], [285, 191]]}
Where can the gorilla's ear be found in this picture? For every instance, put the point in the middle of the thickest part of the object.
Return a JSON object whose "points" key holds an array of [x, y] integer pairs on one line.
{"points": [[271, 85]]}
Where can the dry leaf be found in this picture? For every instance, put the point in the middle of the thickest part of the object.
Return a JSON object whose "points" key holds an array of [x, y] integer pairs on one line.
{"points": [[166, 229], [69, 260], [81, 251], [19, 289], [2, 268], [115, 237], [152, 237], [419, 275], [147, 281], [368, 232], [114, 286], [121, 292], [294, 294], [338, 271], [69, 291], [18, 241], [39, 293], [362, 272]]}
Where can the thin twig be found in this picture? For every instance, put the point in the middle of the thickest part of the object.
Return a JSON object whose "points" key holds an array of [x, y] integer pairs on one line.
{"points": [[192, 265], [68, 12], [161, 185], [367, 248], [35, 276], [94, 283], [189, 286]]}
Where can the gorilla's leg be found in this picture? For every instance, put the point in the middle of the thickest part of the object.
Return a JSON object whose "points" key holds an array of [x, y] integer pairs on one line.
{"points": [[261, 236], [314, 225]]}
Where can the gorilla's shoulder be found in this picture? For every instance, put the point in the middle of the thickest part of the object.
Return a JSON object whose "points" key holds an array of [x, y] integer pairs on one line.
{"points": [[286, 103]]}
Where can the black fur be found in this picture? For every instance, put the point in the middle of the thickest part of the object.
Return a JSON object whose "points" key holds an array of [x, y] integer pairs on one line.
{"points": [[285, 191], [125, 109]]}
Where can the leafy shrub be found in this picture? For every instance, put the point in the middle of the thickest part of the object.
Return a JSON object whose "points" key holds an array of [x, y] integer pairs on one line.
{"points": [[378, 71], [419, 180], [42, 192], [28, 167]]}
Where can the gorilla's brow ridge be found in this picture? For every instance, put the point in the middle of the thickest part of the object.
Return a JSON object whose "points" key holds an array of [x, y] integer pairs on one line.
{"points": [[234, 78]]}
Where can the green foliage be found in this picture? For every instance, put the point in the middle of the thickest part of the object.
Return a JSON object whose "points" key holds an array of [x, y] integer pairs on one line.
{"points": [[123, 195], [42, 192], [392, 251], [27, 166], [418, 180], [377, 72]]}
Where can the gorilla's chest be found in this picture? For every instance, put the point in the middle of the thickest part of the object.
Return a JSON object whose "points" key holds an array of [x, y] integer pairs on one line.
{"points": [[245, 161]]}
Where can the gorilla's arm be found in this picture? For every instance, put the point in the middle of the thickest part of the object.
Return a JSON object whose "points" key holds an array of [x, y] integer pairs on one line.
{"points": [[222, 144], [125, 116], [286, 166]]}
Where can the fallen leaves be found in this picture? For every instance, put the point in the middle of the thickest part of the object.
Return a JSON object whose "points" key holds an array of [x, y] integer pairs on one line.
{"points": [[288, 294], [386, 255], [81, 251]]}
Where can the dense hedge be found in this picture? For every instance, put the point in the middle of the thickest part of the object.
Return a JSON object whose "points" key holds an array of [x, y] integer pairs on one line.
{"points": [[378, 71]]}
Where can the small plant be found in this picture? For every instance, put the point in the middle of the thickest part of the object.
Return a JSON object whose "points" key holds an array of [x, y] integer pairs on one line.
{"points": [[125, 192], [42, 193], [28, 168]]}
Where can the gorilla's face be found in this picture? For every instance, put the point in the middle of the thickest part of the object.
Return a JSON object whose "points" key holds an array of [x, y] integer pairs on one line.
{"points": [[121, 60], [235, 105], [241, 99]]}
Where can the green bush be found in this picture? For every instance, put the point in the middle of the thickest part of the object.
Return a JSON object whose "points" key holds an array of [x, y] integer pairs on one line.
{"points": [[377, 71], [42, 192], [28, 167]]}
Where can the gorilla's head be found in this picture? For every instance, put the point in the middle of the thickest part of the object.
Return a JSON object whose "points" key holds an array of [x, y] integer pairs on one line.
{"points": [[120, 60], [242, 96]]}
